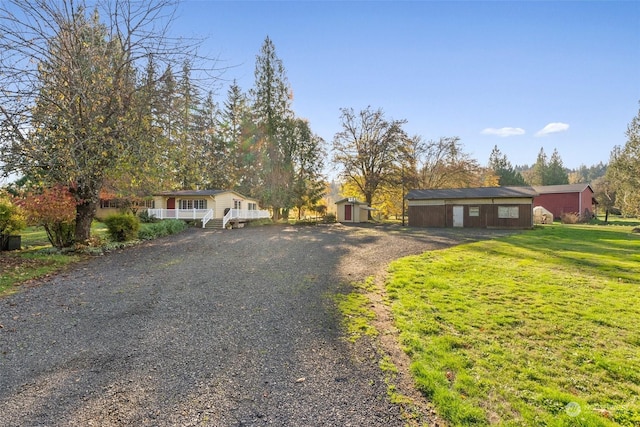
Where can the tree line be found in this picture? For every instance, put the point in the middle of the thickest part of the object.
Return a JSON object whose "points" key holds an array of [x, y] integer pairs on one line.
{"points": [[103, 98]]}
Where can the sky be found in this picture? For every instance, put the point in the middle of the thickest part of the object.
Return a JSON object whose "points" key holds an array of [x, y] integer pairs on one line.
{"points": [[519, 75]]}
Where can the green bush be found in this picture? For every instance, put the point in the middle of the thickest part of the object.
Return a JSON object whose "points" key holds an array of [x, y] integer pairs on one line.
{"points": [[146, 218], [122, 227], [11, 220], [330, 218], [160, 229]]}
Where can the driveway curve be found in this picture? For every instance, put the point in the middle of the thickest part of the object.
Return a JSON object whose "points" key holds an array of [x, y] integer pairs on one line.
{"points": [[217, 328]]}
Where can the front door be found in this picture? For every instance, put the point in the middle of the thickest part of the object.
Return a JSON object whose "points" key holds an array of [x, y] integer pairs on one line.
{"points": [[171, 205], [347, 212], [458, 216]]}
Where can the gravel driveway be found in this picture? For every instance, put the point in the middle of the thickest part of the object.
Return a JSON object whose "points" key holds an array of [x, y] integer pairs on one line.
{"points": [[218, 328]]}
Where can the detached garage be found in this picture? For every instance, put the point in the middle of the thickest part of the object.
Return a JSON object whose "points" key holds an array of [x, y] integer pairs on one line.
{"points": [[485, 207]]}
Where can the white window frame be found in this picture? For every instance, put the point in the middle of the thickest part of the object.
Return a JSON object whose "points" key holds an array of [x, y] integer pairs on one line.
{"points": [[189, 204], [474, 210], [509, 212]]}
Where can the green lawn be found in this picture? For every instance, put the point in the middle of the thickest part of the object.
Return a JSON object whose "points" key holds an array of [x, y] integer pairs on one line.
{"points": [[34, 261], [34, 237], [19, 267], [539, 328]]}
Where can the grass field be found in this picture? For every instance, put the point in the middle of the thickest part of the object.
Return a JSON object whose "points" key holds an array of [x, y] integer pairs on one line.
{"points": [[34, 261], [539, 328]]}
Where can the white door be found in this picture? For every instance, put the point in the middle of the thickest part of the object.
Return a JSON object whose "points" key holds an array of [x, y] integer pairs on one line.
{"points": [[458, 216]]}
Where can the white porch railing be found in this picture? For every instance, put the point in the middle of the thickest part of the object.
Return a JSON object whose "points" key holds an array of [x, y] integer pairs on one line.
{"points": [[180, 213], [243, 215], [208, 217]]}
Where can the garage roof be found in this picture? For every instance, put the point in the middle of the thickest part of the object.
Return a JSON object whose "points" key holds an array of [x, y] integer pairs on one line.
{"points": [[472, 193]]}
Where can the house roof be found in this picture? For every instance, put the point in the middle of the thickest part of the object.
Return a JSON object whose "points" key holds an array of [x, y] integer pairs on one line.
{"points": [[565, 188], [351, 200], [190, 193], [472, 193], [200, 193]]}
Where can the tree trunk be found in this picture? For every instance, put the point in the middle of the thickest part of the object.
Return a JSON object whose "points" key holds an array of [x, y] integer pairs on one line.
{"points": [[368, 198], [85, 212], [606, 215]]}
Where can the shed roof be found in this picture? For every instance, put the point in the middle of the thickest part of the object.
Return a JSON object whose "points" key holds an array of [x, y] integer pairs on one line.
{"points": [[472, 193], [564, 188], [351, 200]]}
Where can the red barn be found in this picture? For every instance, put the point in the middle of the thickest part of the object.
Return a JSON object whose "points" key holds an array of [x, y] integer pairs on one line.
{"points": [[569, 198]]}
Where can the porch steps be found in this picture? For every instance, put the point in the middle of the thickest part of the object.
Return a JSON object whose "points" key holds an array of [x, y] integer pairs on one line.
{"points": [[214, 223]]}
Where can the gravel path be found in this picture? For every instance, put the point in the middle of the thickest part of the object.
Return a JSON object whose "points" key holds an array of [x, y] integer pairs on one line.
{"points": [[217, 328]]}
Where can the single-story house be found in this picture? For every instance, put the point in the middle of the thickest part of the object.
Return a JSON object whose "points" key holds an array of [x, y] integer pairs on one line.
{"points": [[352, 210], [568, 198], [111, 204], [485, 207], [206, 205]]}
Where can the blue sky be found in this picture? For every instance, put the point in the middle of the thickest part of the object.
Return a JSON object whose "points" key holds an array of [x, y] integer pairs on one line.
{"points": [[520, 75]]}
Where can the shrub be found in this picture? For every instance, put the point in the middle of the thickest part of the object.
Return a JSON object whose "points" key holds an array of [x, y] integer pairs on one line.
{"points": [[330, 218], [162, 228], [122, 227], [572, 218], [12, 220], [55, 210], [174, 226], [146, 218]]}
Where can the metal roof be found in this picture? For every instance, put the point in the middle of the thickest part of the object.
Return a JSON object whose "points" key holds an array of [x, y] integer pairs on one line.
{"points": [[472, 193], [198, 193], [564, 188]]}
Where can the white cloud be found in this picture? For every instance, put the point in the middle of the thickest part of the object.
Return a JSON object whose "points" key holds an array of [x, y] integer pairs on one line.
{"points": [[552, 128], [503, 132]]}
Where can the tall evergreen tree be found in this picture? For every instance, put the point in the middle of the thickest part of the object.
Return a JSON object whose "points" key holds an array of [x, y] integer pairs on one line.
{"points": [[189, 153], [556, 173], [539, 170], [216, 161], [308, 185], [504, 170], [272, 109], [238, 135]]}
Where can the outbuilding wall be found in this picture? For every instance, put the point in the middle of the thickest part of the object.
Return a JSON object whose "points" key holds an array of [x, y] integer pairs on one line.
{"points": [[358, 213], [559, 203], [440, 213]]}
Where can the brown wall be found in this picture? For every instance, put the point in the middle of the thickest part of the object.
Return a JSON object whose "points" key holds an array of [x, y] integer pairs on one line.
{"points": [[442, 216], [426, 216]]}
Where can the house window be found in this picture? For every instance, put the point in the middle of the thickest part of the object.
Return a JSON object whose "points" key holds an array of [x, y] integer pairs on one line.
{"points": [[111, 203], [508, 212], [252, 206], [193, 204], [474, 210], [145, 203], [237, 204]]}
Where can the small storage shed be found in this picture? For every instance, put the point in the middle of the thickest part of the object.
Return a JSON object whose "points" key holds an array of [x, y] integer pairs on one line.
{"points": [[352, 210], [569, 198], [485, 207]]}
